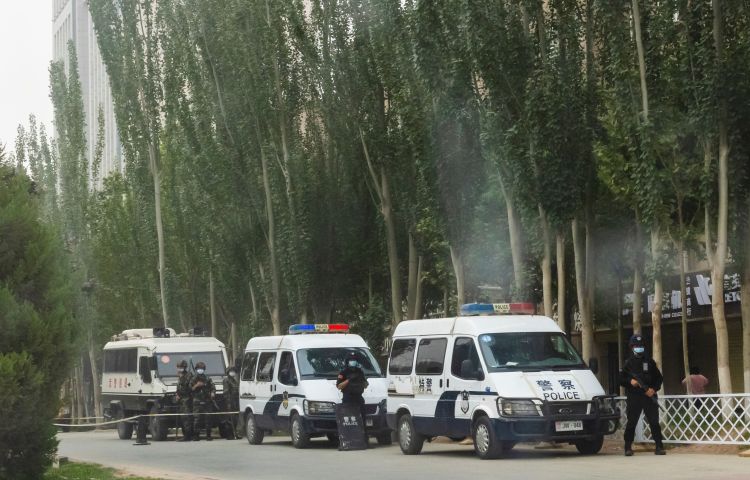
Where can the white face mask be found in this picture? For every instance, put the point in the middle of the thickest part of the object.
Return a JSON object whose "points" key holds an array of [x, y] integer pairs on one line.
{"points": [[352, 363], [232, 374], [638, 350], [180, 370], [200, 371]]}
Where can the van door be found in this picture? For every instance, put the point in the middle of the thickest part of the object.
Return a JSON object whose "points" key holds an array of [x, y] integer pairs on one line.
{"points": [[288, 387], [264, 407], [463, 386], [248, 386], [401, 368], [428, 398]]}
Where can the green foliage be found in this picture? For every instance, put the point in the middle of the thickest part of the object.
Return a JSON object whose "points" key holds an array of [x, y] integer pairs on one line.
{"points": [[86, 471]]}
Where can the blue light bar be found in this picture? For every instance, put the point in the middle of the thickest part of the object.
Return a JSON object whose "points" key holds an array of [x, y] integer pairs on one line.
{"points": [[471, 309], [301, 328], [318, 328]]}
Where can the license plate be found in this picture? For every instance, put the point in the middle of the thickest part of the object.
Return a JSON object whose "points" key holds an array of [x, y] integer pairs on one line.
{"points": [[569, 426], [368, 422]]}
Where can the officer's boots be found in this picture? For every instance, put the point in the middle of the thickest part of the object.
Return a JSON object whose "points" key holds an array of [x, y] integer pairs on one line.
{"points": [[628, 450], [208, 434], [660, 449]]}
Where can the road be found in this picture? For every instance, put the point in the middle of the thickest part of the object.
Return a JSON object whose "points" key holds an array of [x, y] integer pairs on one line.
{"points": [[277, 459]]}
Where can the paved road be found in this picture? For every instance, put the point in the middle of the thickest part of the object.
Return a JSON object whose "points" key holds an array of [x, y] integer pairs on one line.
{"points": [[277, 459]]}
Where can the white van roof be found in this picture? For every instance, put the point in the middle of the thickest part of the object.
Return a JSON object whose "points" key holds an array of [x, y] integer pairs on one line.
{"points": [[171, 344], [476, 325], [308, 340]]}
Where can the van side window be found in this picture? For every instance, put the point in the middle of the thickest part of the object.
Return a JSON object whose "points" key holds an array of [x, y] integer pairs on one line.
{"points": [[402, 356], [431, 356], [249, 361], [123, 360], [287, 372], [266, 362], [465, 363]]}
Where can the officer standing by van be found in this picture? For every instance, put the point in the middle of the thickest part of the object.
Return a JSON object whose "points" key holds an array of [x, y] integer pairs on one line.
{"points": [[232, 399], [184, 399], [642, 379], [352, 383], [204, 392]]}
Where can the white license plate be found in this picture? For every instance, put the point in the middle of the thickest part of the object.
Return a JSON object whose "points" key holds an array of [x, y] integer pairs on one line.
{"points": [[569, 426], [368, 422]]}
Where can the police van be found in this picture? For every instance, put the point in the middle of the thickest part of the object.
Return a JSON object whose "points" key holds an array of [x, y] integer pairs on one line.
{"points": [[499, 374], [288, 383], [140, 375]]}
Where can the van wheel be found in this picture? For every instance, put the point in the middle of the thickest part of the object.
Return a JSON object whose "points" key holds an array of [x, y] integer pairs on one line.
{"points": [[124, 429], [254, 434], [300, 439], [158, 426], [486, 443], [409, 440], [590, 447], [384, 438]]}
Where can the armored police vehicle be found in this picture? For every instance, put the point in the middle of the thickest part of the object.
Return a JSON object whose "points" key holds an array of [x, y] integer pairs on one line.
{"points": [[499, 374], [140, 375], [288, 383]]}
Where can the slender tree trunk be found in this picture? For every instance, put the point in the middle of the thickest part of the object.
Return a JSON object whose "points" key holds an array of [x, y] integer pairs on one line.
{"points": [[212, 301], [458, 269], [233, 340], [156, 175], [274, 301], [254, 304], [560, 241], [745, 299], [80, 397], [516, 250], [641, 57], [656, 311], [445, 301], [683, 311], [638, 277], [546, 263], [95, 379], [418, 302], [587, 328], [411, 296]]}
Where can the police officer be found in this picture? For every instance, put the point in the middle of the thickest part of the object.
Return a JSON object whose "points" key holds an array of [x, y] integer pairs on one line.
{"points": [[352, 383], [184, 398], [204, 392], [642, 379], [232, 399]]}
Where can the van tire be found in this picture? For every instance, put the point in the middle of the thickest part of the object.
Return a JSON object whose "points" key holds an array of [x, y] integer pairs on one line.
{"points": [[486, 443], [124, 429], [252, 432], [300, 438], [158, 426], [590, 447], [409, 440]]}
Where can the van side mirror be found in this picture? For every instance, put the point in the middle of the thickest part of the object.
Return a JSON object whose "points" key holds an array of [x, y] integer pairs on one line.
{"points": [[594, 365], [144, 368], [480, 375]]}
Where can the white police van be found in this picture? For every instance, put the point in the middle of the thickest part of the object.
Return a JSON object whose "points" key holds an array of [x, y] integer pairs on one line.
{"points": [[288, 383], [140, 375], [501, 379]]}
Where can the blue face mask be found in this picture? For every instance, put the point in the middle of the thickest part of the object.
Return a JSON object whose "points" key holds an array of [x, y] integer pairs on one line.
{"points": [[638, 350]]}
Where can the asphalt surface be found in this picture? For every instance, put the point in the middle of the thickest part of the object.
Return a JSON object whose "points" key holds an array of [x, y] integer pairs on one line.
{"points": [[277, 459]]}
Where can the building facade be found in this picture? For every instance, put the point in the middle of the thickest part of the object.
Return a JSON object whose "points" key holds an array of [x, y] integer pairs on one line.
{"points": [[72, 22]]}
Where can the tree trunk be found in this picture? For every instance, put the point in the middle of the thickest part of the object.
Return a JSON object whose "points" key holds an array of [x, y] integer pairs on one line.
{"points": [[80, 397], [546, 263], [516, 251], [154, 163], [274, 301], [683, 311], [254, 304], [445, 301], [658, 303], [418, 302], [411, 296], [745, 299], [560, 240], [638, 277], [587, 328], [641, 58], [97, 387], [212, 301], [458, 269], [233, 340]]}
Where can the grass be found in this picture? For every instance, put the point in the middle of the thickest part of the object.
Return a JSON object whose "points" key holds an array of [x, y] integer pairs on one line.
{"points": [[87, 471]]}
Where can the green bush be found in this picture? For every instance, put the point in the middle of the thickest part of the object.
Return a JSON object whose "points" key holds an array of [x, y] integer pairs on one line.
{"points": [[37, 331]]}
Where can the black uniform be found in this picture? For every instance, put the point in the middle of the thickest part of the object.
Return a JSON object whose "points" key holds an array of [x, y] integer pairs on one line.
{"points": [[645, 371], [352, 393]]}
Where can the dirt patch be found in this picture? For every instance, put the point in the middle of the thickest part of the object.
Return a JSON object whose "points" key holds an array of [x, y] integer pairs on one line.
{"points": [[618, 447]]}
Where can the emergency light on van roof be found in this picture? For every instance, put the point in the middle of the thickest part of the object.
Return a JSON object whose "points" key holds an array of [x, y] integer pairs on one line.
{"points": [[318, 328], [471, 309]]}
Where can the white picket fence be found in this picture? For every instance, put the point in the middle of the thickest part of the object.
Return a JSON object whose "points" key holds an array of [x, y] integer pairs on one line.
{"points": [[705, 419]]}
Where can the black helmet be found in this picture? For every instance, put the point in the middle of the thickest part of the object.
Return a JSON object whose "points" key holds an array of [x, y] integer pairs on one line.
{"points": [[200, 365], [182, 364], [636, 340]]}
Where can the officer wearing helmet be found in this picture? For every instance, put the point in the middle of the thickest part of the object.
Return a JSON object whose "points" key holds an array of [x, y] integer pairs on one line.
{"points": [[184, 399], [232, 399], [642, 379], [204, 392], [352, 381]]}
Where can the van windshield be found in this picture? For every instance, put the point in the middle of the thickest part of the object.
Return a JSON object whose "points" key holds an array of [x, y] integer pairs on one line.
{"points": [[328, 362], [528, 351], [166, 363]]}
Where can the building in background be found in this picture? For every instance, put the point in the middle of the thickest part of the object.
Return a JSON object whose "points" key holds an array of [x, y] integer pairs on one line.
{"points": [[72, 21]]}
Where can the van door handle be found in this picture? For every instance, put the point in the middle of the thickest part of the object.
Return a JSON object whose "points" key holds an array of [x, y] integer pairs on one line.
{"points": [[441, 383], [447, 383]]}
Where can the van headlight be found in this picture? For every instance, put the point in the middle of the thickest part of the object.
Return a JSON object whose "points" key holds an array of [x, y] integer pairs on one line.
{"points": [[607, 405], [515, 407], [319, 408]]}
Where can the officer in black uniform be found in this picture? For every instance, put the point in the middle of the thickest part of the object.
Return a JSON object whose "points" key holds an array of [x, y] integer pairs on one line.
{"points": [[352, 383], [642, 379]]}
